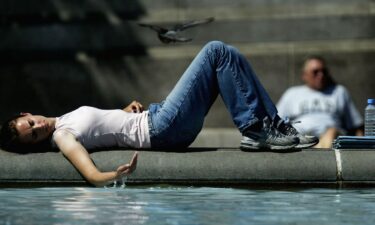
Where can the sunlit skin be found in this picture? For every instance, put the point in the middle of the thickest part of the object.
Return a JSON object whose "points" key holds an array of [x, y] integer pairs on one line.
{"points": [[34, 128], [315, 74]]}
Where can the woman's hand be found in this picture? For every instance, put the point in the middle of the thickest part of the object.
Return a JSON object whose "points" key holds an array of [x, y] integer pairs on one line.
{"points": [[127, 168], [134, 107]]}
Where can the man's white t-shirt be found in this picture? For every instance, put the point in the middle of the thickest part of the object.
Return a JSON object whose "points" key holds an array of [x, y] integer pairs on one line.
{"points": [[317, 111], [97, 128]]}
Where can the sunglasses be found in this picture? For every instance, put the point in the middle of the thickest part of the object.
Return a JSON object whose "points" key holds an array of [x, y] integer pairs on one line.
{"points": [[323, 70]]}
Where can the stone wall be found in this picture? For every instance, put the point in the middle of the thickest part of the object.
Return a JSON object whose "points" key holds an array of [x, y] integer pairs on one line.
{"points": [[57, 55]]}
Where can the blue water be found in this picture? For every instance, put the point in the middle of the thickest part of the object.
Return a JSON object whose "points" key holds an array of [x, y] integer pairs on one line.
{"points": [[185, 205]]}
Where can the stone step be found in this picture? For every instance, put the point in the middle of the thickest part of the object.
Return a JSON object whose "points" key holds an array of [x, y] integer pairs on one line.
{"points": [[64, 40], [63, 11], [113, 11], [251, 12]]}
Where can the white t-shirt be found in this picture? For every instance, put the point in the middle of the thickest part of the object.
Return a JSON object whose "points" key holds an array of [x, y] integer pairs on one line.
{"points": [[97, 128], [318, 110]]}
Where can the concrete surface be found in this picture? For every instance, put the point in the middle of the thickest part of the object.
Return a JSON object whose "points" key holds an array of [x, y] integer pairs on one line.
{"points": [[199, 166], [218, 138]]}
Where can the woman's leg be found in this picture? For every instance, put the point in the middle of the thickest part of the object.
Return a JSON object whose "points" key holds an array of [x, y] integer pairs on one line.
{"points": [[179, 118], [217, 68], [243, 94]]}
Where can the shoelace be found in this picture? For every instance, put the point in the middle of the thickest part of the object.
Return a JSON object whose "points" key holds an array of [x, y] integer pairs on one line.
{"points": [[271, 131], [290, 130], [288, 121], [286, 126]]}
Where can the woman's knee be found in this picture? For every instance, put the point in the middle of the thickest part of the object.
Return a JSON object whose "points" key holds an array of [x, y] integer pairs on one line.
{"points": [[215, 45], [221, 48], [216, 50]]}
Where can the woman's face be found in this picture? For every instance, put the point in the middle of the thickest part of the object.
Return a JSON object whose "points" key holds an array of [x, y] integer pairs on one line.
{"points": [[33, 128]]}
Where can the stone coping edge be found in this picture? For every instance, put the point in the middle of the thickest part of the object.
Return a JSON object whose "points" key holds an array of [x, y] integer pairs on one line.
{"points": [[224, 167]]}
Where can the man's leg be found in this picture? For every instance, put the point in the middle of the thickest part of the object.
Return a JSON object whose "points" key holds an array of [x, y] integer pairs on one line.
{"points": [[326, 139]]}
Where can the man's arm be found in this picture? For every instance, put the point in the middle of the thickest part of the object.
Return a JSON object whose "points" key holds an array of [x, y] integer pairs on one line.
{"points": [[352, 119], [359, 132], [80, 158]]}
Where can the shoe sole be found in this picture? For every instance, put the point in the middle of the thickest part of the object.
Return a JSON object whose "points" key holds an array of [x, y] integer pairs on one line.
{"points": [[308, 145], [247, 146]]}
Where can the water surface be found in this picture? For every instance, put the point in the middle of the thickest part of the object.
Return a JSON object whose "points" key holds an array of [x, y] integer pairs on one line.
{"points": [[185, 205]]}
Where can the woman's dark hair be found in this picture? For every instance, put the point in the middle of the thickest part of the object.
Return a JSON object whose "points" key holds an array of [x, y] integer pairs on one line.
{"points": [[9, 133], [9, 139]]}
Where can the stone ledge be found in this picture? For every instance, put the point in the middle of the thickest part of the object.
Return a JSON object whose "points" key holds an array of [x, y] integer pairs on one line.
{"points": [[208, 166]]}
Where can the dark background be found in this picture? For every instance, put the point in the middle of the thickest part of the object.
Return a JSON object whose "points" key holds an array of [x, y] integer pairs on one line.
{"points": [[57, 55]]}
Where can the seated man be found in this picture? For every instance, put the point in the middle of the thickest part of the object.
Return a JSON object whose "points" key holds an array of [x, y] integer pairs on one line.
{"points": [[320, 107]]}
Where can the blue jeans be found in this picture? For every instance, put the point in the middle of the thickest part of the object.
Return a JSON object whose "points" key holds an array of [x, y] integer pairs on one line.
{"points": [[217, 69]]}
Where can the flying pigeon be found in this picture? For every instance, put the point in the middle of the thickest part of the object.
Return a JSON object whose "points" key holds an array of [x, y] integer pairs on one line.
{"points": [[171, 35]]}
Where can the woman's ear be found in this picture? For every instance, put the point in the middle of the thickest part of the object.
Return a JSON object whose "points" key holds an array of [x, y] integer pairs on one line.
{"points": [[25, 114]]}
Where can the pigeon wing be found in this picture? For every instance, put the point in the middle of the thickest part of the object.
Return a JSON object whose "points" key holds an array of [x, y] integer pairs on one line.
{"points": [[193, 23], [154, 27], [182, 39], [169, 38]]}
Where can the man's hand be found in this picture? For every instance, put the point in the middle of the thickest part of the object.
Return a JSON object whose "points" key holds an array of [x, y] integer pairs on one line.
{"points": [[134, 107], [127, 168]]}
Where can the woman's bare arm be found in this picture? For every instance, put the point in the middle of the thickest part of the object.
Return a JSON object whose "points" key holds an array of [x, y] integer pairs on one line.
{"points": [[80, 158]]}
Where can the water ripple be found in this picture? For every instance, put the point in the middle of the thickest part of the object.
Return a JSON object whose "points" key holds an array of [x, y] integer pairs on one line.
{"points": [[185, 205]]}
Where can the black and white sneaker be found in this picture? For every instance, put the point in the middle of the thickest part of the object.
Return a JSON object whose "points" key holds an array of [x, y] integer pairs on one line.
{"points": [[305, 141], [267, 138]]}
